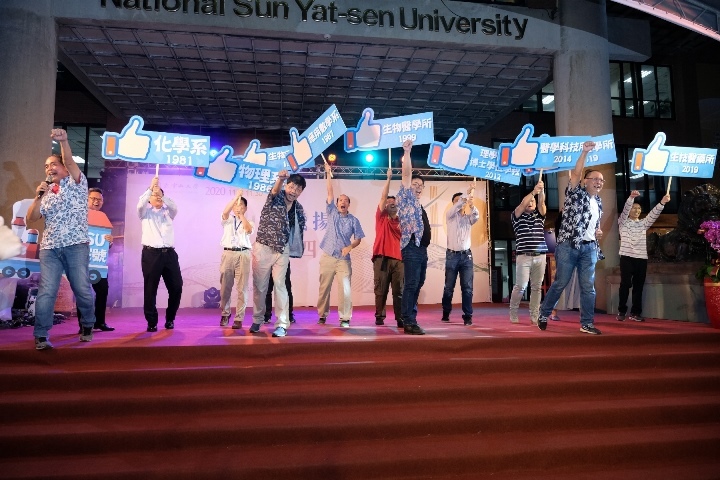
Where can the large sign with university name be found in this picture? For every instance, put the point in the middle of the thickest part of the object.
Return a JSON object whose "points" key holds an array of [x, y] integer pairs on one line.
{"points": [[334, 13]]}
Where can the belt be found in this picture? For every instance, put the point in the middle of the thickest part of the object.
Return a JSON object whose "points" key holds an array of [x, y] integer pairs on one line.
{"points": [[533, 254], [585, 242], [458, 251], [161, 249], [236, 249]]}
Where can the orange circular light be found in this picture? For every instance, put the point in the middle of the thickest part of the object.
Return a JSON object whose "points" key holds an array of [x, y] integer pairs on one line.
{"points": [[332, 157]]}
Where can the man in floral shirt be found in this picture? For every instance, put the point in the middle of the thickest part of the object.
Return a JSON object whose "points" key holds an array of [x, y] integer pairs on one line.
{"points": [[578, 243], [62, 200], [414, 240]]}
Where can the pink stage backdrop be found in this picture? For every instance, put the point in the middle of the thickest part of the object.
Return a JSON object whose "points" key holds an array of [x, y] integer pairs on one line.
{"points": [[198, 231]]}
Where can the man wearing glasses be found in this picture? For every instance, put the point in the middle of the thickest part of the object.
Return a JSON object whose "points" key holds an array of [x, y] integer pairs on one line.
{"points": [[578, 243], [159, 259], [414, 240], [95, 202]]}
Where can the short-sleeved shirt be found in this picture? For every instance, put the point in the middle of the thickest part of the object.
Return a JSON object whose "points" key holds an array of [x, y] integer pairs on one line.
{"points": [[340, 231], [274, 228], [410, 212], [234, 235], [65, 210], [576, 215], [387, 235], [529, 232]]}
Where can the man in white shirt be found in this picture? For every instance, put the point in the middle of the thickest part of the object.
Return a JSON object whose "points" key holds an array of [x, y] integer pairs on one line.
{"points": [[461, 216], [235, 261], [159, 259]]}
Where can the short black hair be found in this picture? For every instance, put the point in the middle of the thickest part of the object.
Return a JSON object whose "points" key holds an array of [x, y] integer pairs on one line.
{"points": [[297, 179], [588, 172], [244, 201], [415, 175], [343, 195], [390, 196], [95, 190], [455, 196]]}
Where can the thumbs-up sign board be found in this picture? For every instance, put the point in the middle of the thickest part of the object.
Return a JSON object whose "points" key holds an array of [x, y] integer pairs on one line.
{"points": [[458, 156], [134, 144], [372, 134], [316, 139], [666, 161]]}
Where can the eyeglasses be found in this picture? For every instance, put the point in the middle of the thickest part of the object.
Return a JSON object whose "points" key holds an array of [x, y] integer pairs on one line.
{"points": [[95, 200], [596, 179], [417, 185]]}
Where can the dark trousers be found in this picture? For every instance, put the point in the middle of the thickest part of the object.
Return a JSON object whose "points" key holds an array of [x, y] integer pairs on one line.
{"points": [[458, 263], [632, 274], [268, 297], [101, 293], [161, 263], [388, 272], [415, 261]]}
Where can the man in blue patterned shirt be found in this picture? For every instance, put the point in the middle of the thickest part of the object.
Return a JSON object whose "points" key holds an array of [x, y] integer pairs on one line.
{"points": [[279, 237], [62, 200], [578, 242], [342, 235], [415, 238]]}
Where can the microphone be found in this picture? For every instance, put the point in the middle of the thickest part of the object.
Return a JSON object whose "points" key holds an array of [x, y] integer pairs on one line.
{"points": [[47, 180]]}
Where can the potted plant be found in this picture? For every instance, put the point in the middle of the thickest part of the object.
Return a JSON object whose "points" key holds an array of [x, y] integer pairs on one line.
{"points": [[710, 272]]}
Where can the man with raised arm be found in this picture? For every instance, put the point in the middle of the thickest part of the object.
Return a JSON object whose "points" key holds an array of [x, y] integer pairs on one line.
{"points": [[388, 269], [62, 201], [279, 237], [159, 258], [343, 233], [578, 245], [235, 260], [528, 220], [414, 240], [460, 218]]}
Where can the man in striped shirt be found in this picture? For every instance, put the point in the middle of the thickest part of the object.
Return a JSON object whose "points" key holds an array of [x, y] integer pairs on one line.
{"points": [[633, 253], [528, 220], [458, 258]]}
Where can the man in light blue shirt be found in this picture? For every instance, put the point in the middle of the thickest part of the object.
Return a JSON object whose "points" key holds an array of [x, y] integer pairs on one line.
{"points": [[342, 235]]}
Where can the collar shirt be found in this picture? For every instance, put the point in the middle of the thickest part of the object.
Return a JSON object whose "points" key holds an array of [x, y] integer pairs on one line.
{"points": [[387, 235], [459, 224], [66, 214], [234, 235], [577, 215], [410, 213], [340, 232], [157, 223], [633, 233], [274, 227], [529, 232]]}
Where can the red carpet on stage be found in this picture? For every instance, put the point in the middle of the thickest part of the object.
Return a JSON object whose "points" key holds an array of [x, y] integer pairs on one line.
{"points": [[492, 400]]}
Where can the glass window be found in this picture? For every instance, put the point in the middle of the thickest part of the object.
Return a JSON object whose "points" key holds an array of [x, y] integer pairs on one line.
{"points": [[86, 143]]}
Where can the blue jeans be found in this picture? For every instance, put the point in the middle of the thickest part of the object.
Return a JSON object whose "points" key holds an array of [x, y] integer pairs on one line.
{"points": [[415, 261], [74, 261], [567, 258], [458, 263]]}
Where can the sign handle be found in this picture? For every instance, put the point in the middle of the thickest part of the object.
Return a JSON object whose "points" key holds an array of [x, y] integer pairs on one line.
{"points": [[327, 167], [668, 187], [390, 158], [157, 170]]}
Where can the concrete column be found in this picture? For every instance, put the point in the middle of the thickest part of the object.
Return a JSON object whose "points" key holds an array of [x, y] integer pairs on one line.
{"points": [[28, 66], [582, 107]]}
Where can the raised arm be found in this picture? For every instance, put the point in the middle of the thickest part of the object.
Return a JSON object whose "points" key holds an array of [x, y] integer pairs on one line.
{"points": [[628, 205], [655, 212], [542, 209], [528, 198], [385, 191], [145, 197], [60, 136], [328, 183], [406, 164], [576, 173], [282, 176], [231, 204]]}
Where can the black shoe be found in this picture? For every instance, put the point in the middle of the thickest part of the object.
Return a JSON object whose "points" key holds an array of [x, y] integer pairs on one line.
{"points": [[104, 328], [400, 324], [169, 325], [379, 321], [445, 319], [292, 318], [152, 328], [467, 321], [413, 329], [542, 322], [266, 320]]}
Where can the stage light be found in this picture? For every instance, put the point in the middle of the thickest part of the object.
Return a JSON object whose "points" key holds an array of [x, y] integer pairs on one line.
{"points": [[332, 157], [369, 158]]}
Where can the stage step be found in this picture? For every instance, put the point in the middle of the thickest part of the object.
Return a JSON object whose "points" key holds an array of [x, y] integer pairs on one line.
{"points": [[561, 409]]}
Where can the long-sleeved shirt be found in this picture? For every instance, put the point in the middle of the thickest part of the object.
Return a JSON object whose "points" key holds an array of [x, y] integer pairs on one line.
{"points": [[157, 223], [633, 233], [459, 224]]}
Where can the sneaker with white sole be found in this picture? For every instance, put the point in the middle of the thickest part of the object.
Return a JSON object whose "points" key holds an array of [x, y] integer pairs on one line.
{"points": [[637, 318], [255, 328], [279, 332], [345, 324], [542, 322], [42, 343], [620, 317], [87, 334], [590, 328]]}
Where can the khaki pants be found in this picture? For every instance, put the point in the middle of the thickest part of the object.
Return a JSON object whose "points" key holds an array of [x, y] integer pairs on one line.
{"points": [[266, 262], [234, 269], [330, 267]]}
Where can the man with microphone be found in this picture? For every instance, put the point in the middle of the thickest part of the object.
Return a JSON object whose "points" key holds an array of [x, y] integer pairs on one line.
{"points": [[62, 200]]}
